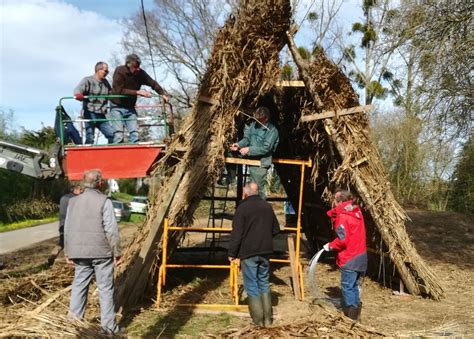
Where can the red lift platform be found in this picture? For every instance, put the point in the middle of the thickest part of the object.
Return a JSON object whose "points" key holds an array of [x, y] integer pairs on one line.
{"points": [[115, 161]]}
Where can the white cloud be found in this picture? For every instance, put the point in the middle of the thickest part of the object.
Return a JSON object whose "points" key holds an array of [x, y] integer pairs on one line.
{"points": [[47, 46]]}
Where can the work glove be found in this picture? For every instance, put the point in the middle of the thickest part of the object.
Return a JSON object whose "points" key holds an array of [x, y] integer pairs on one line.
{"points": [[79, 96], [326, 247]]}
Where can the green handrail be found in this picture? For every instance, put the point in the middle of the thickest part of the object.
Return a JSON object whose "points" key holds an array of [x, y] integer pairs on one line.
{"points": [[61, 121]]}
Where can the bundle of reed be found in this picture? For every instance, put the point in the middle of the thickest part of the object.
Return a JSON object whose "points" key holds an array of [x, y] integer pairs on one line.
{"points": [[323, 322]]}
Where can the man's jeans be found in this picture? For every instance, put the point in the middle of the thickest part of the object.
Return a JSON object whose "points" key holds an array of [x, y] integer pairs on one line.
{"points": [[104, 126], [350, 287], [104, 276], [119, 113], [256, 272]]}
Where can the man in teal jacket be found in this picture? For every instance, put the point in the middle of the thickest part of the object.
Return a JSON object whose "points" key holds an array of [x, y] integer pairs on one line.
{"points": [[259, 142]]}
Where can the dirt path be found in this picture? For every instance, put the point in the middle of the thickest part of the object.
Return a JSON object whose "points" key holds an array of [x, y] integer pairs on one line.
{"points": [[15, 240], [445, 240]]}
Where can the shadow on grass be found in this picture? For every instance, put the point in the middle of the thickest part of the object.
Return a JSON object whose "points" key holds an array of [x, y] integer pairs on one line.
{"points": [[188, 286]]}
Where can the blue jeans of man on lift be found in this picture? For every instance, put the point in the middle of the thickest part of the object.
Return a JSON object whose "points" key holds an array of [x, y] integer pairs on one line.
{"points": [[124, 117], [104, 126], [350, 287]]}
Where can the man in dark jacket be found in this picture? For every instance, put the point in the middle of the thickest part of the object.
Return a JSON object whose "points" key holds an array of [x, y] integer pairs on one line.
{"points": [[75, 189], [350, 245], [63, 204], [127, 80], [251, 241], [92, 244]]}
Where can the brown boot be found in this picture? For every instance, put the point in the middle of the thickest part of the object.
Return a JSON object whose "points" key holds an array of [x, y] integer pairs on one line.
{"points": [[353, 312]]}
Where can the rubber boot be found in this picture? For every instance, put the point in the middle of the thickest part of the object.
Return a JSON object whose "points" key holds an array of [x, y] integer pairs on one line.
{"points": [[353, 313], [267, 309], [345, 310], [256, 310], [359, 311]]}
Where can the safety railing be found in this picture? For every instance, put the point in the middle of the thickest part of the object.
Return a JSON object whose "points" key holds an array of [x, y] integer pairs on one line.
{"points": [[294, 247], [233, 266], [166, 118]]}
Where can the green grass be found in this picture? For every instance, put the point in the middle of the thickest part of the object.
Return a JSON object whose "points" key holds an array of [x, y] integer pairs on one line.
{"points": [[122, 196], [26, 223], [179, 324], [137, 218]]}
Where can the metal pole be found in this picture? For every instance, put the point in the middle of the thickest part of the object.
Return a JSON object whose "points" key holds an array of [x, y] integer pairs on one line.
{"points": [[298, 223], [165, 245]]}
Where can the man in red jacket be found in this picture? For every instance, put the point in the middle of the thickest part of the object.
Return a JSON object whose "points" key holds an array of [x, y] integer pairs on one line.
{"points": [[349, 243]]}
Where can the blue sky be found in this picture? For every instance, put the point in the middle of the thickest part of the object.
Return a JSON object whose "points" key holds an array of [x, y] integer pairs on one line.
{"points": [[48, 46], [113, 9]]}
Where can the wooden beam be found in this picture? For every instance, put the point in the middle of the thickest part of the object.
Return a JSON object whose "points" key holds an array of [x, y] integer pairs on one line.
{"points": [[253, 162], [290, 83], [208, 100], [48, 302], [302, 66], [331, 114], [138, 272], [294, 268], [240, 161]]}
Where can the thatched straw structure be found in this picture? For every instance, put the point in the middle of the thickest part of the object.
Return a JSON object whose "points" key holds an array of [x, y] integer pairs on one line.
{"points": [[242, 71], [343, 149], [243, 66]]}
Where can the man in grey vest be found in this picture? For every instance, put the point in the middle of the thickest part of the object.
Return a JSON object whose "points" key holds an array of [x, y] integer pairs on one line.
{"points": [[92, 244], [95, 109]]}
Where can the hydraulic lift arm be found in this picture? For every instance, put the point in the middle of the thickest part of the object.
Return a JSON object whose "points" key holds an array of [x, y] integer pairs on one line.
{"points": [[29, 161]]}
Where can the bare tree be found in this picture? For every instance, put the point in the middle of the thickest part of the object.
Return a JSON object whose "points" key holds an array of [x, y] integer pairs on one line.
{"points": [[324, 24], [431, 85], [441, 31], [181, 35], [8, 129], [368, 60], [319, 18]]}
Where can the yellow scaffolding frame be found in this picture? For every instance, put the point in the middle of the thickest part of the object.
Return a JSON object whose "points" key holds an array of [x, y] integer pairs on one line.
{"points": [[234, 266]]}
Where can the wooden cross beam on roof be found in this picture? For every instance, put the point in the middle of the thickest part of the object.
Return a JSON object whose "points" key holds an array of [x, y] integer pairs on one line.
{"points": [[290, 83], [331, 114]]}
